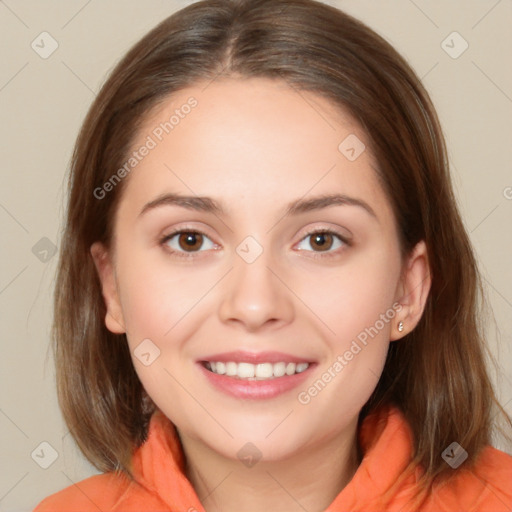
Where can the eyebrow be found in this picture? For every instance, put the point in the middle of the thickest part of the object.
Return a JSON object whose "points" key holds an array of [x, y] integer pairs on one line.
{"points": [[209, 205]]}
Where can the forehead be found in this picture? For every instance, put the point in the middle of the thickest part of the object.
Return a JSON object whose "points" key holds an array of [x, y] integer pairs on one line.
{"points": [[251, 138], [250, 113]]}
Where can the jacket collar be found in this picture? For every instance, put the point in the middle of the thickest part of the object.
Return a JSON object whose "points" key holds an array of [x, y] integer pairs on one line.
{"points": [[384, 437]]}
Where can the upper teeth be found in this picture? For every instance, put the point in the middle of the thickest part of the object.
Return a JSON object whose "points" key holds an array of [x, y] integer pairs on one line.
{"points": [[259, 371]]}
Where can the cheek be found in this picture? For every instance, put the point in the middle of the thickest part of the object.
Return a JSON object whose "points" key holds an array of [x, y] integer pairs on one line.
{"points": [[158, 300], [361, 315], [343, 386], [353, 297], [155, 294]]}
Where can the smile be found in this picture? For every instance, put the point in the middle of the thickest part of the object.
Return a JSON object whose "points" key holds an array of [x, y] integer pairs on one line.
{"points": [[260, 371]]}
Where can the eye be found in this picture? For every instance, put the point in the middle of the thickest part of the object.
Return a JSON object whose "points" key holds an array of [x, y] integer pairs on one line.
{"points": [[322, 241], [186, 241]]}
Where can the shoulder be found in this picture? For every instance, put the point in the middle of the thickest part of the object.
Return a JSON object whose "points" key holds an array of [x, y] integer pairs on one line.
{"points": [[487, 486], [98, 492]]}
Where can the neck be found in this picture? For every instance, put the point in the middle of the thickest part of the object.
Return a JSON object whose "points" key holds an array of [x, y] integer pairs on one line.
{"points": [[309, 480]]}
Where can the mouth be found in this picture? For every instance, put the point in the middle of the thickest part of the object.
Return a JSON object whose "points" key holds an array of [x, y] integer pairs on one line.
{"points": [[259, 371], [249, 375]]}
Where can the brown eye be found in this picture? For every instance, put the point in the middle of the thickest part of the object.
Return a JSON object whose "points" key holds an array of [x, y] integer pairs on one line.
{"points": [[321, 241], [190, 241], [187, 243]]}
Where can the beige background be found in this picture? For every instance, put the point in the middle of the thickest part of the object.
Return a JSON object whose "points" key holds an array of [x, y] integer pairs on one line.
{"points": [[43, 102]]}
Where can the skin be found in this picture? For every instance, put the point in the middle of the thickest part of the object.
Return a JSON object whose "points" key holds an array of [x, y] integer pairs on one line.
{"points": [[255, 146]]}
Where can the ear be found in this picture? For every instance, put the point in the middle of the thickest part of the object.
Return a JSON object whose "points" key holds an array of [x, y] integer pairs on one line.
{"points": [[114, 318], [412, 290]]}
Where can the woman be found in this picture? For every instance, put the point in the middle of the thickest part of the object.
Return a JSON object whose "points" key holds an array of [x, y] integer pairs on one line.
{"points": [[266, 297]]}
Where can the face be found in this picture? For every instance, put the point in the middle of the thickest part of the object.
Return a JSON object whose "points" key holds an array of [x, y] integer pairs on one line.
{"points": [[254, 268]]}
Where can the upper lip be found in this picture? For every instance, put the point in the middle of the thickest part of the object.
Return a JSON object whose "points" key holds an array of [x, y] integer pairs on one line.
{"points": [[241, 356]]}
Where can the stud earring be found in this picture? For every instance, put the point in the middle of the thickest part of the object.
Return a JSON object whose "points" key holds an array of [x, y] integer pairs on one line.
{"points": [[400, 326]]}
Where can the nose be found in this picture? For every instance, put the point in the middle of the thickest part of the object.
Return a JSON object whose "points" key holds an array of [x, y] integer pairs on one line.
{"points": [[256, 295]]}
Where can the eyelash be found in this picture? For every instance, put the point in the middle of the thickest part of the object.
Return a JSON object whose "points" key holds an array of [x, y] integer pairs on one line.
{"points": [[316, 254]]}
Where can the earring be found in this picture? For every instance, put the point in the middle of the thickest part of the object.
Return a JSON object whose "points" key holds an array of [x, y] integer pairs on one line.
{"points": [[400, 326]]}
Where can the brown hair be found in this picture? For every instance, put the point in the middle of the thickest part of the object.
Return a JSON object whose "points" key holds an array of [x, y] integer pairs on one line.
{"points": [[436, 375]]}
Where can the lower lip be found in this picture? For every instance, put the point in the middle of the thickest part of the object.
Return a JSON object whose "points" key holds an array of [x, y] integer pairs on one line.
{"points": [[256, 389]]}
